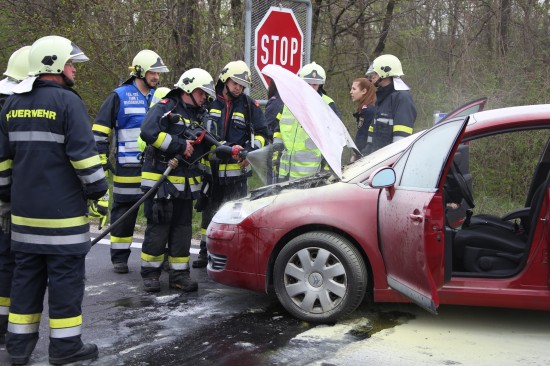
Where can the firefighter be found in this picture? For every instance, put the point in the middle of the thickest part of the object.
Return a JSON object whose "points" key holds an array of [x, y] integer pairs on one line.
{"points": [[395, 108], [45, 134], [237, 119], [295, 153], [17, 70], [169, 129], [123, 112]]}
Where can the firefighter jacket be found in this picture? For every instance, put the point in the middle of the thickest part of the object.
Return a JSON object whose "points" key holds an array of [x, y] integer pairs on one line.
{"points": [[166, 139], [273, 110], [237, 121], [123, 112], [364, 119], [394, 118], [49, 166]]}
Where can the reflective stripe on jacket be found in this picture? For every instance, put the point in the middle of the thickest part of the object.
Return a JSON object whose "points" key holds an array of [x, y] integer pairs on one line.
{"points": [[55, 167]]}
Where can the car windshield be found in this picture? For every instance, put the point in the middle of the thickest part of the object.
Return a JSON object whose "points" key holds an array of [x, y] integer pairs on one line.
{"points": [[385, 156]]}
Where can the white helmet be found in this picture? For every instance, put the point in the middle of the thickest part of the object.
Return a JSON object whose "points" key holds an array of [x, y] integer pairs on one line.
{"points": [[313, 74], [147, 60], [387, 66], [196, 78], [48, 55], [237, 71], [18, 64]]}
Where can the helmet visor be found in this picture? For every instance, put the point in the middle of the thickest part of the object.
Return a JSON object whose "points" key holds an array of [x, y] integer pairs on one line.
{"points": [[77, 55]]}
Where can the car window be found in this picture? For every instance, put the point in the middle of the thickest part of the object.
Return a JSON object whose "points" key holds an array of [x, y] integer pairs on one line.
{"points": [[426, 158], [503, 168]]}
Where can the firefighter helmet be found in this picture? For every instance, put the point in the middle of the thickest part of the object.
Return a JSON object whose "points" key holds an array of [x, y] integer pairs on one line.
{"points": [[313, 74], [160, 93], [147, 60], [237, 71], [387, 66], [196, 78], [48, 55], [18, 64]]}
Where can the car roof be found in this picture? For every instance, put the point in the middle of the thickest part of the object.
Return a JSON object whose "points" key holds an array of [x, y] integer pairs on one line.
{"points": [[535, 116]]}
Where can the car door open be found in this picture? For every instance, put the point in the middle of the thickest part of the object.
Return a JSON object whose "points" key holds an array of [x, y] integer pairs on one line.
{"points": [[411, 216]]}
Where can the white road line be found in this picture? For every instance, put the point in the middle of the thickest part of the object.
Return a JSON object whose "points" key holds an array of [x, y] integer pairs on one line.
{"points": [[194, 245]]}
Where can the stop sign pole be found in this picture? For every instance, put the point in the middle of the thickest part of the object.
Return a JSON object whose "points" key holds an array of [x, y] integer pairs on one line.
{"points": [[279, 41]]}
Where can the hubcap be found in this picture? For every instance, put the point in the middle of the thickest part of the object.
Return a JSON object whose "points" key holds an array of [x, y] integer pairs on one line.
{"points": [[315, 280]]}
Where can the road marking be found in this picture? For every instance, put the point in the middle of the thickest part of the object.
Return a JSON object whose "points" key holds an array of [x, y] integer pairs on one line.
{"points": [[195, 244]]}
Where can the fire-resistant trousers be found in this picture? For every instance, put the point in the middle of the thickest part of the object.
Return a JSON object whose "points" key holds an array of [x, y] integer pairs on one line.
{"points": [[63, 275], [7, 265], [176, 231], [122, 235]]}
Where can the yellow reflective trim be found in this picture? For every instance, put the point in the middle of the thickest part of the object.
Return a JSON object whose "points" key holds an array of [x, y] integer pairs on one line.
{"points": [[121, 179], [24, 318], [6, 164], [4, 301], [230, 167], [116, 239], [371, 129], [178, 259], [261, 139], [66, 322], [277, 135], [215, 110], [101, 128], [203, 231], [50, 223], [159, 140], [238, 114], [152, 258], [278, 116], [176, 180], [86, 163], [401, 128]]}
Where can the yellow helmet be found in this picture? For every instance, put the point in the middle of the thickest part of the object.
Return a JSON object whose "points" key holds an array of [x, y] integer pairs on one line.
{"points": [[147, 60], [196, 78], [159, 94], [387, 66], [313, 74], [48, 55], [237, 71], [18, 64]]}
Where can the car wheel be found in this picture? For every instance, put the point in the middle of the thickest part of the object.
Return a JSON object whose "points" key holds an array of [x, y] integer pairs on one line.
{"points": [[320, 277]]}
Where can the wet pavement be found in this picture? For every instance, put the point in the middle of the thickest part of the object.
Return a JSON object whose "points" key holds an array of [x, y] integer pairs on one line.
{"points": [[220, 325], [216, 325]]}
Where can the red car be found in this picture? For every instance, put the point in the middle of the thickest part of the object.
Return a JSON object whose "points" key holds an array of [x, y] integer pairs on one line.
{"points": [[414, 221]]}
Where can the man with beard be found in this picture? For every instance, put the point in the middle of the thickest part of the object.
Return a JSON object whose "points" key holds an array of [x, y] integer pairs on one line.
{"points": [[122, 113]]}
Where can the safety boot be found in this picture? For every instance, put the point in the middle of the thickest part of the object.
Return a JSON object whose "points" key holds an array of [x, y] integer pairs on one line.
{"points": [[151, 284], [23, 359], [87, 352], [120, 267], [181, 280], [201, 261]]}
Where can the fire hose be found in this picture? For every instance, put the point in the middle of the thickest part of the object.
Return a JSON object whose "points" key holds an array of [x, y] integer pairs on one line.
{"points": [[197, 139]]}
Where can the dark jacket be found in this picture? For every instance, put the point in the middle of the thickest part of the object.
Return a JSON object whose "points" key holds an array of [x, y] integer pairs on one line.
{"points": [[364, 120], [394, 119], [46, 140]]}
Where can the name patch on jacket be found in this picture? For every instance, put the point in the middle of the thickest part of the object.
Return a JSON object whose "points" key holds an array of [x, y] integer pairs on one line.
{"points": [[31, 113]]}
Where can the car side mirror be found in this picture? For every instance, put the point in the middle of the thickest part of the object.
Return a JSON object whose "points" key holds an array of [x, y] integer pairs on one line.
{"points": [[382, 178]]}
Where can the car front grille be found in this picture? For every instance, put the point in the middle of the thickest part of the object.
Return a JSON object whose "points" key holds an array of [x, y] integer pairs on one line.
{"points": [[217, 262]]}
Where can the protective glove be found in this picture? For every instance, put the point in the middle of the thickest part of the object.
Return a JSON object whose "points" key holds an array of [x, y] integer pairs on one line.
{"points": [[100, 208], [5, 216]]}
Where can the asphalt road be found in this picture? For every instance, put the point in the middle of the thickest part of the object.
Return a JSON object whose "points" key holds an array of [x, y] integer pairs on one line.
{"points": [[219, 325]]}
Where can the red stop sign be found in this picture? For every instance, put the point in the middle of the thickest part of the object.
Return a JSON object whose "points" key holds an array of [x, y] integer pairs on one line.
{"points": [[279, 41]]}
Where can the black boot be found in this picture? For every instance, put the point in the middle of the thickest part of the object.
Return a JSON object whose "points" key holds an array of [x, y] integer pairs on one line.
{"points": [[87, 352], [151, 284], [181, 280], [201, 261], [23, 359]]}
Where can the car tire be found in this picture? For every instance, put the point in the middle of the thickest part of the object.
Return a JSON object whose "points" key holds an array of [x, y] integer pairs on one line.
{"points": [[320, 277]]}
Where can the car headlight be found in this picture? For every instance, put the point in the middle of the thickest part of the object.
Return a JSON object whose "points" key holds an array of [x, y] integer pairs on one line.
{"points": [[234, 212]]}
